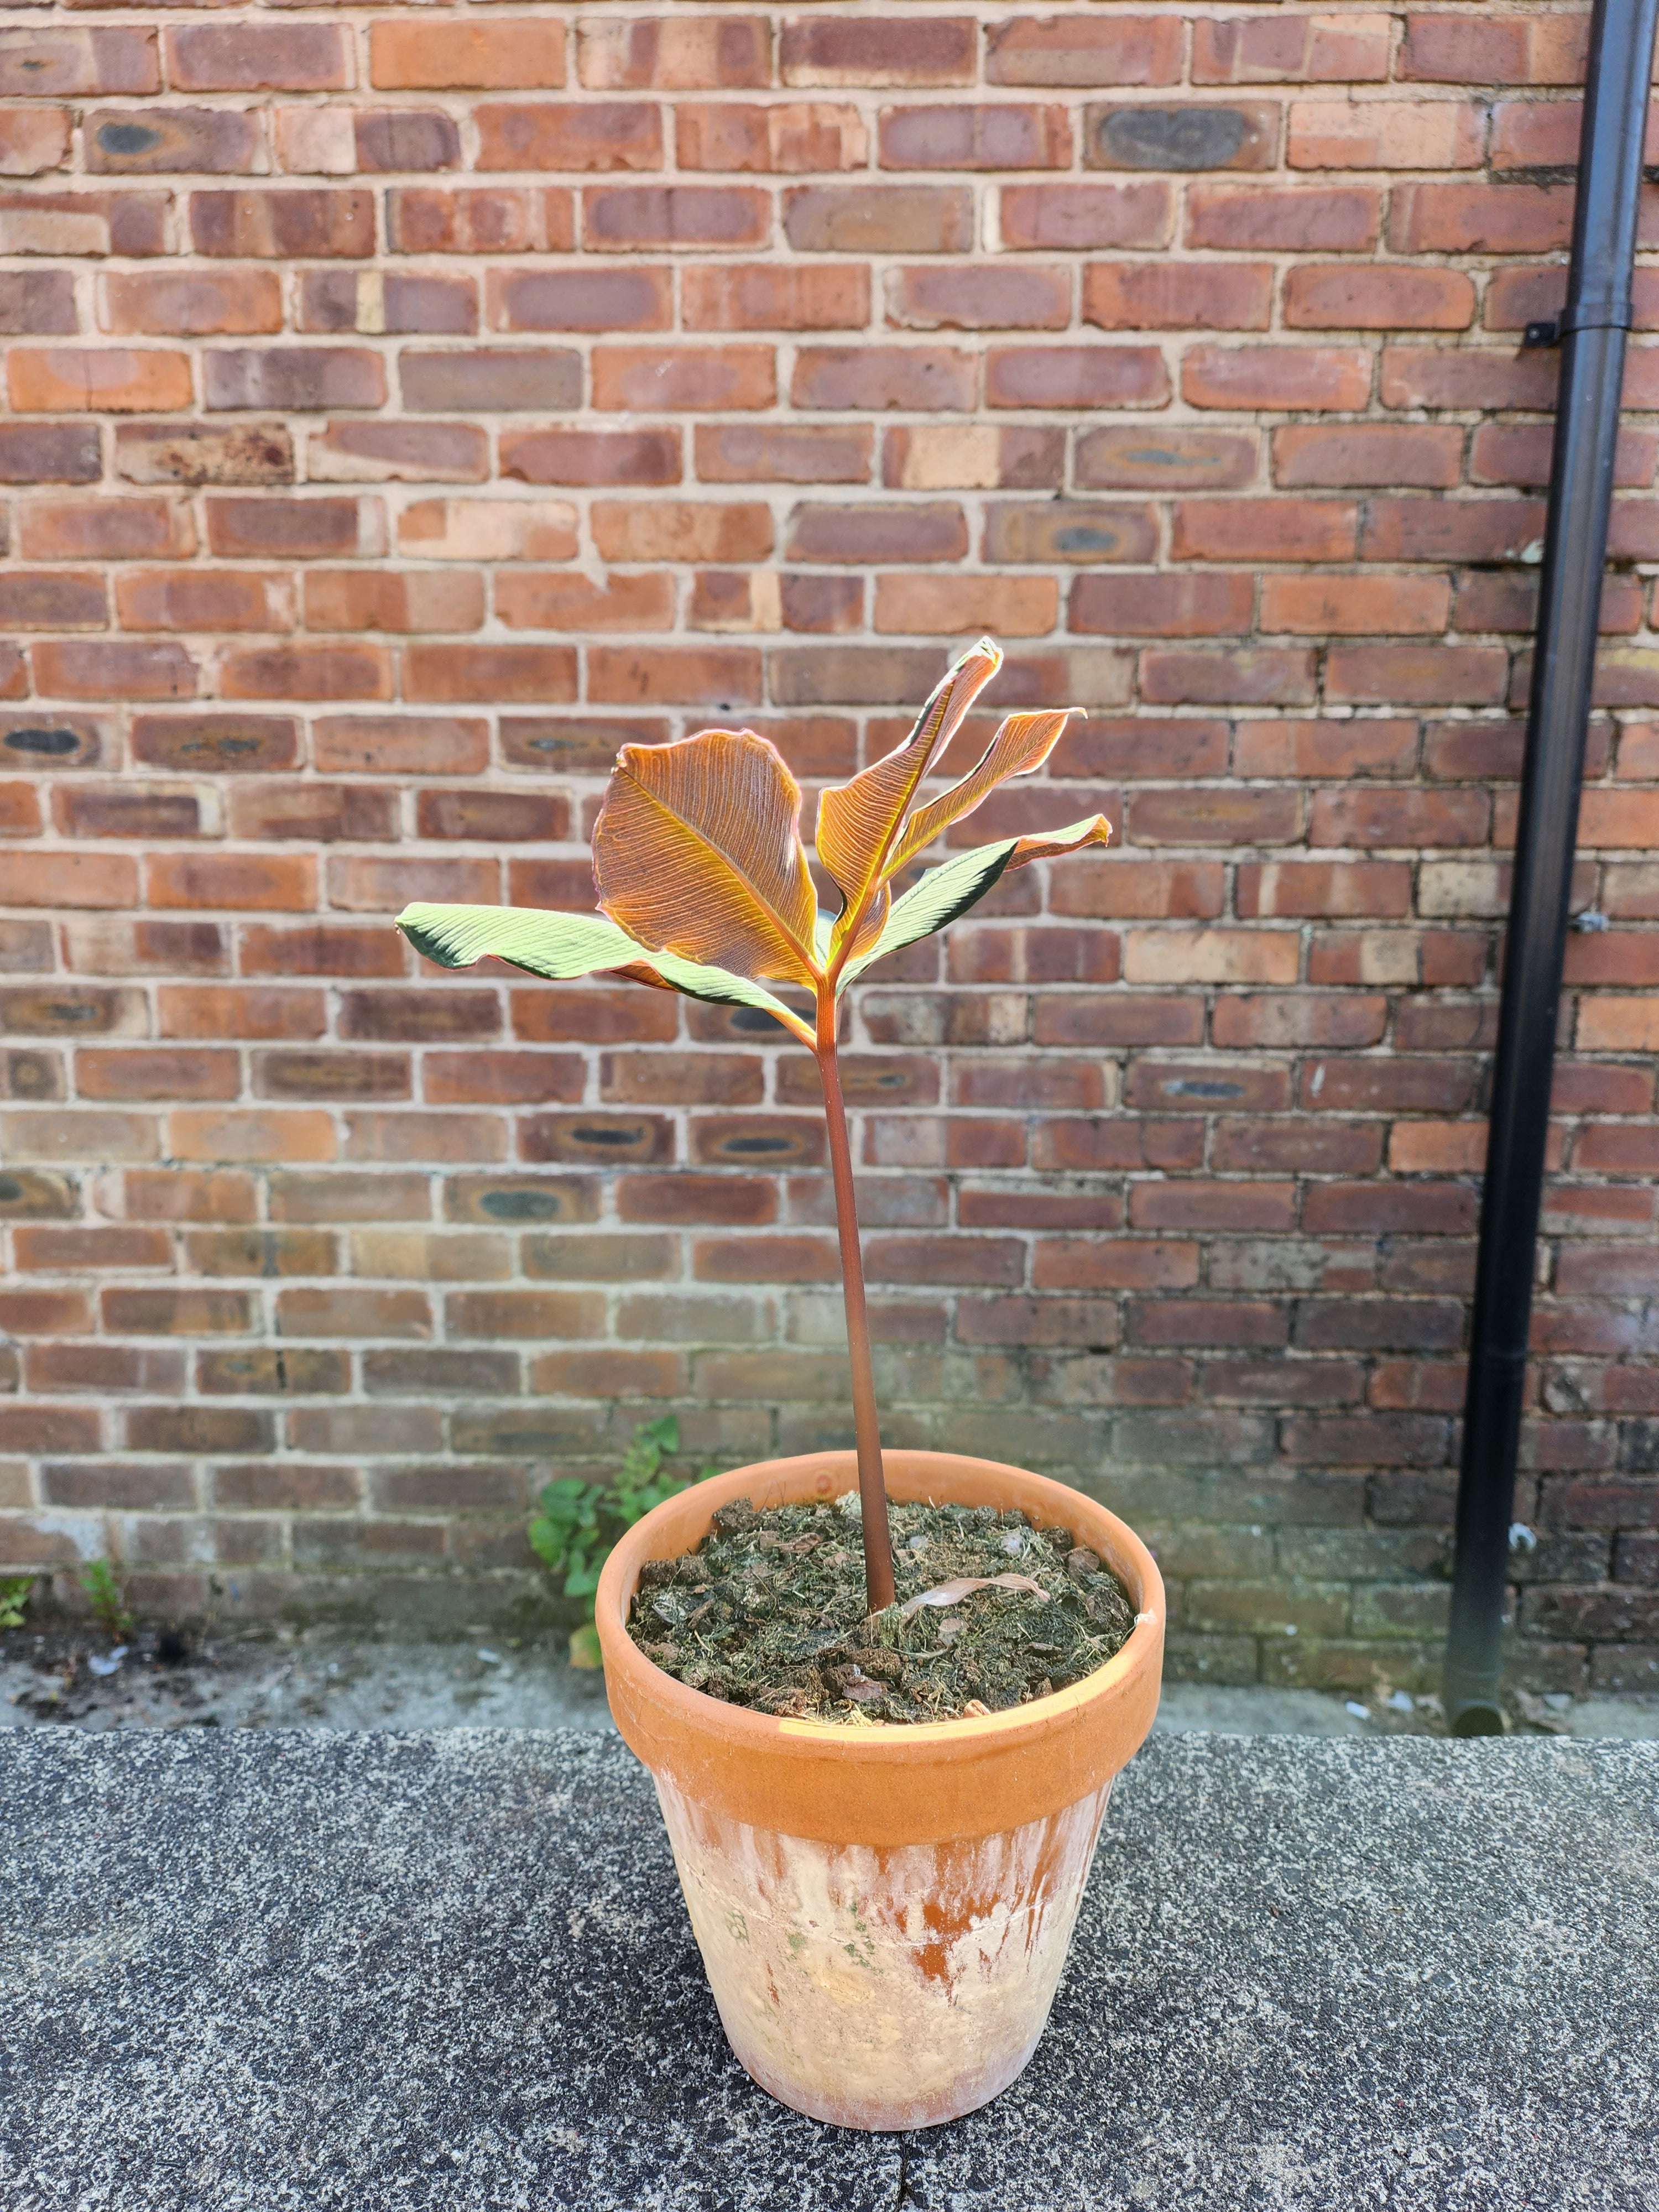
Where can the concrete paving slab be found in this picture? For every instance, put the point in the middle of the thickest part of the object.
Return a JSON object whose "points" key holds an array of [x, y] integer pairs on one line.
{"points": [[252, 1971]]}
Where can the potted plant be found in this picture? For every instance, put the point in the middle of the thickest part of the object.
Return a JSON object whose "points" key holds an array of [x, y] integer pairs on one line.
{"points": [[883, 1910]]}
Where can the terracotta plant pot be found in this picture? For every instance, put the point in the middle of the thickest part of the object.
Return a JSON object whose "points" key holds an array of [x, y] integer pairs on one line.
{"points": [[883, 1912]]}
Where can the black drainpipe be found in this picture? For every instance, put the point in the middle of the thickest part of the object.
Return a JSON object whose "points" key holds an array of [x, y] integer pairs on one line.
{"points": [[1592, 338]]}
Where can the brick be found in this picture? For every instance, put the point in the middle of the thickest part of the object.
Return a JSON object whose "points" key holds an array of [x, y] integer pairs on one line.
{"points": [[1345, 298], [479, 219], [537, 600], [1480, 218], [1469, 675], [295, 528], [488, 530], [195, 600], [938, 605], [126, 223], [1346, 605], [878, 219], [314, 222], [33, 140], [681, 530], [1071, 217], [1291, 49], [1061, 51], [947, 457], [625, 218], [476, 55], [1254, 530], [975, 137], [48, 452], [38, 302], [715, 54], [196, 453], [52, 599], [789, 138], [576, 135], [91, 669], [1190, 137], [163, 141], [763, 296], [933, 532], [1433, 376], [1160, 296], [866, 378], [62, 62], [498, 380], [1153, 606], [877, 52], [1127, 459], [580, 299], [1426, 455], [1300, 377], [116, 380], [591, 456], [692, 379], [439, 673], [1212, 956], [1385, 133], [1076, 376], [355, 300], [205, 303], [1264, 218], [1497, 50], [289, 56]]}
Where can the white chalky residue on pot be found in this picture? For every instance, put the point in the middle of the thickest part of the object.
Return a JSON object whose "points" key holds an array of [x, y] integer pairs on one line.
{"points": [[882, 1989]]}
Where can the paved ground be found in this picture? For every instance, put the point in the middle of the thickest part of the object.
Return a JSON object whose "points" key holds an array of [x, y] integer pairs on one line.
{"points": [[338, 1972], [328, 1679]]}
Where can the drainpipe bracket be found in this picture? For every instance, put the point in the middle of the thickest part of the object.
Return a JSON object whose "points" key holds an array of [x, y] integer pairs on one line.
{"points": [[1588, 315]]}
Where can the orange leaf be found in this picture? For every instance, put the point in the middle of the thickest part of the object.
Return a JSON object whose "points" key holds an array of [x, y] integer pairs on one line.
{"points": [[859, 822], [697, 852], [1023, 743], [1055, 844]]}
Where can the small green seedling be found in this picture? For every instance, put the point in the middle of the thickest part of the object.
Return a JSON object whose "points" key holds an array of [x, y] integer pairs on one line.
{"points": [[14, 1596], [581, 1523], [99, 1581]]}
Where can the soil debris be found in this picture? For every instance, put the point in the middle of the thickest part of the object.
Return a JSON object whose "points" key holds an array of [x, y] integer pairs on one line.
{"points": [[990, 1613]]}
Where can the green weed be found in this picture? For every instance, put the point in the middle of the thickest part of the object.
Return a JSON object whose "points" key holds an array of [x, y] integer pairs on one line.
{"points": [[101, 1584], [581, 1523], [14, 1596]]}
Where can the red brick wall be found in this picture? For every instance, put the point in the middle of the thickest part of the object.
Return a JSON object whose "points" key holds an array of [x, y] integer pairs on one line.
{"points": [[407, 408]]}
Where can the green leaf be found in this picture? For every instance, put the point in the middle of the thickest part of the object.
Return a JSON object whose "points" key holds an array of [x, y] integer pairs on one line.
{"points": [[562, 946], [947, 891], [14, 1596], [934, 902], [557, 946]]}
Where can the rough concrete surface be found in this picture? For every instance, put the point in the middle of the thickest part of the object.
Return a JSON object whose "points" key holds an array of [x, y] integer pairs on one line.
{"points": [[249, 1971]]}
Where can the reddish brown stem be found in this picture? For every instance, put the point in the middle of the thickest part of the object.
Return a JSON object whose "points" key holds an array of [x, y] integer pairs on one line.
{"points": [[872, 1488]]}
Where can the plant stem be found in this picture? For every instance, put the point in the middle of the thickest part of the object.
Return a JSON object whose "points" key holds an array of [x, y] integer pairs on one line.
{"points": [[872, 1488]]}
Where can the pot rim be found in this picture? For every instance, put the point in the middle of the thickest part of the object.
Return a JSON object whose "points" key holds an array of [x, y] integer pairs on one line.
{"points": [[652, 1707]]}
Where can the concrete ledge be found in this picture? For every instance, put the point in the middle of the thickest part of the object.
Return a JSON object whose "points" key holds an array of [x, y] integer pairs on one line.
{"points": [[258, 1972]]}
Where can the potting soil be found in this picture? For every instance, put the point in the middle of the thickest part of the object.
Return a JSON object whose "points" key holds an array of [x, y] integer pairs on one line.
{"points": [[769, 1612]]}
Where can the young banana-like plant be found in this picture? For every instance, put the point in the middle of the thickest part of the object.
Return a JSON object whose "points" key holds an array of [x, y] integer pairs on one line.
{"points": [[704, 888]]}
